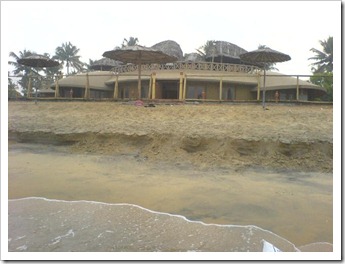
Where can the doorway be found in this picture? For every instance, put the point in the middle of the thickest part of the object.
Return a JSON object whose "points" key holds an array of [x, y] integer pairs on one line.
{"points": [[170, 90]]}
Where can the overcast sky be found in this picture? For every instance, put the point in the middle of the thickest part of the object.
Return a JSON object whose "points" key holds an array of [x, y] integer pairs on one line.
{"points": [[292, 27]]}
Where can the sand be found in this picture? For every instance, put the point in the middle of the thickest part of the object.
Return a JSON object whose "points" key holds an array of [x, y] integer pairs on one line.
{"points": [[283, 137], [224, 164]]}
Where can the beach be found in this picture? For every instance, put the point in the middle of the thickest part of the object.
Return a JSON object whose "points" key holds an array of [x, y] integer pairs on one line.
{"points": [[283, 137], [226, 164]]}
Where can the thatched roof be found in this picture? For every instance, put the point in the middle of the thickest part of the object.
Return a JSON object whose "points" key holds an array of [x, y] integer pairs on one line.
{"points": [[277, 81], [225, 52], [139, 55], [97, 80], [193, 57], [105, 64], [37, 60], [169, 47]]}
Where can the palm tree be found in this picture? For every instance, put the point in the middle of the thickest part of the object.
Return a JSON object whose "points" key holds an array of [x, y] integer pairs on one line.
{"points": [[68, 54], [323, 72], [324, 59], [12, 92], [208, 48], [268, 66], [131, 42], [20, 70]]}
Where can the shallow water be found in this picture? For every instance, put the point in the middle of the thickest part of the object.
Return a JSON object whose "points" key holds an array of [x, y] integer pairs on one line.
{"points": [[43, 225], [294, 205]]}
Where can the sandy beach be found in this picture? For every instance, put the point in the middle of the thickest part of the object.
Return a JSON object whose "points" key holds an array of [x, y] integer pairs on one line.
{"points": [[283, 137], [227, 164]]}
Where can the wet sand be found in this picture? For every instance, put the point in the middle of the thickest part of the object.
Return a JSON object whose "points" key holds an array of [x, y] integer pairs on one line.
{"points": [[284, 203], [223, 164]]}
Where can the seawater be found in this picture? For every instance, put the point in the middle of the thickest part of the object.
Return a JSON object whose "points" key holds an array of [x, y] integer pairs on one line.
{"points": [[45, 225], [295, 207]]}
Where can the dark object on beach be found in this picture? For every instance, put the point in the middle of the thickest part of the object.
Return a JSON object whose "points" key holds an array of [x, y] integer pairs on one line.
{"points": [[150, 105]]}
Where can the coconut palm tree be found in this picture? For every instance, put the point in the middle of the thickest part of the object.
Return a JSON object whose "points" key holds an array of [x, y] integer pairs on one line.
{"points": [[324, 59], [20, 70], [130, 42], [68, 54], [207, 48]]}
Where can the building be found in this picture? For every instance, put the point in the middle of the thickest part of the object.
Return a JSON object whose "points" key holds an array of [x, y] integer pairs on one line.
{"points": [[220, 75]]}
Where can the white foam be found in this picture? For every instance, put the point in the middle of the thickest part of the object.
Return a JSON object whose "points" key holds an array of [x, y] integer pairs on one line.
{"points": [[249, 227]]}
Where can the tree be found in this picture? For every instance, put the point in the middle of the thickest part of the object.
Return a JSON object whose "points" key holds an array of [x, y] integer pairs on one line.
{"points": [[323, 70], [268, 66], [68, 54], [12, 92], [324, 59], [208, 48], [130, 42], [324, 80], [22, 71]]}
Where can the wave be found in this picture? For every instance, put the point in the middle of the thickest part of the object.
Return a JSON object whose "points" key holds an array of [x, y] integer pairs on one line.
{"points": [[50, 225]]}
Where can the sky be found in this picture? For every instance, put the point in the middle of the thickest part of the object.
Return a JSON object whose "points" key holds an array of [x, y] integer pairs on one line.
{"points": [[291, 27]]}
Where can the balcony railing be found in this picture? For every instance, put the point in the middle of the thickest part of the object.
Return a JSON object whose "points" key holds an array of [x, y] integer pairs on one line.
{"points": [[198, 66]]}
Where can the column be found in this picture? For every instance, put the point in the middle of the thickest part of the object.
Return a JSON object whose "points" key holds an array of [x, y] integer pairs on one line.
{"points": [[297, 89], [180, 94], [87, 87], [153, 85], [258, 94], [116, 87], [184, 87], [221, 89], [57, 87]]}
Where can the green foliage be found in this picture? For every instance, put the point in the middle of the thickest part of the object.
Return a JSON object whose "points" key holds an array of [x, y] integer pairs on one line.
{"points": [[323, 67], [39, 78], [68, 55], [20, 70], [324, 59], [208, 48], [324, 80], [12, 92], [130, 42]]}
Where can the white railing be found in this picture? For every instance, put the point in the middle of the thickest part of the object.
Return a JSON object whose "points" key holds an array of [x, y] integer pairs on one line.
{"points": [[199, 66]]}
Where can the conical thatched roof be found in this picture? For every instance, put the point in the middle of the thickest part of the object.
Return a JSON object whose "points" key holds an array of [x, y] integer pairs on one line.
{"points": [[97, 80], [169, 47], [193, 57], [105, 64], [225, 52]]}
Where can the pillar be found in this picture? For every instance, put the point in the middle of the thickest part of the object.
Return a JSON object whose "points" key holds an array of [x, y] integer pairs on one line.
{"points": [[29, 86], [57, 94], [221, 89], [153, 85], [180, 94], [184, 87], [258, 94], [87, 87], [116, 87], [297, 89]]}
